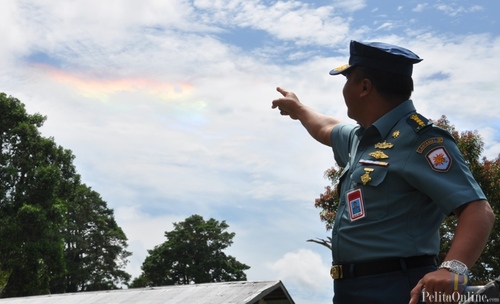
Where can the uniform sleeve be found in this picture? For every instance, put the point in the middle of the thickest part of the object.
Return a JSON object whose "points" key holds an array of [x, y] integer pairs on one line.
{"points": [[341, 138], [437, 168]]}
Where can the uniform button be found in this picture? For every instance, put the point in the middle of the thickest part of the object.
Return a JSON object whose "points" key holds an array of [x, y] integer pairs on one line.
{"points": [[334, 232]]}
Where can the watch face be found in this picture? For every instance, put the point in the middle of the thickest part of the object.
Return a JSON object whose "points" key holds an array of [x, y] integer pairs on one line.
{"points": [[456, 266], [461, 267]]}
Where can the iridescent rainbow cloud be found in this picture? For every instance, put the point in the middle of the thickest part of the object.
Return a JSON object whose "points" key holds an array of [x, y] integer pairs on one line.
{"points": [[103, 88]]}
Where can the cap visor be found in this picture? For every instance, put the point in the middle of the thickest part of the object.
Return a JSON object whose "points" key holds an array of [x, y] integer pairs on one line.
{"points": [[340, 69]]}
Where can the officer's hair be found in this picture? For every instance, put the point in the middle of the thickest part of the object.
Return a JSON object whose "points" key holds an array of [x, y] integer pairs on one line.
{"points": [[395, 87]]}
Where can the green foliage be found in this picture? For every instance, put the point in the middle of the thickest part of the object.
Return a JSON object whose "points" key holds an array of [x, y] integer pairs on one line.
{"points": [[193, 253], [31, 213], [487, 174], [44, 208], [94, 245]]}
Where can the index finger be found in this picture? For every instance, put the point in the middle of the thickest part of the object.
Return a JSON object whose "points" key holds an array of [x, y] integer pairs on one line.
{"points": [[415, 293], [282, 91]]}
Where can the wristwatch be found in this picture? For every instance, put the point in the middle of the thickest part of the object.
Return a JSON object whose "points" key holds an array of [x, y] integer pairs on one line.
{"points": [[455, 267]]}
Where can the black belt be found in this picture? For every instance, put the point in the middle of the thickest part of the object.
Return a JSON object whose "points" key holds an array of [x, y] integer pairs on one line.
{"points": [[352, 270]]}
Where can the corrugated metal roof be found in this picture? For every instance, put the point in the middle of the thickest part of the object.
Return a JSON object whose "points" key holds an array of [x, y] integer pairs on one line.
{"points": [[271, 292]]}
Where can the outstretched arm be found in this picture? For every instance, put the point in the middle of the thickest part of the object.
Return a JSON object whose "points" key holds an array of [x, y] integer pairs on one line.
{"points": [[318, 125]]}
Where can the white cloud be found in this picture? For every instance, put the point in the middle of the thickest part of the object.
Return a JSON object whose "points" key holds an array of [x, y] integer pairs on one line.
{"points": [[420, 7], [469, 82], [304, 268], [307, 274], [385, 26], [453, 10], [291, 20], [492, 149], [476, 8], [349, 5], [490, 138]]}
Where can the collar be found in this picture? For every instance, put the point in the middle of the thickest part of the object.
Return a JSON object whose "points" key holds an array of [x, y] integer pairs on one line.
{"points": [[385, 123]]}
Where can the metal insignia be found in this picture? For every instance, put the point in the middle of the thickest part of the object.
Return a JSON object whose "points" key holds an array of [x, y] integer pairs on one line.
{"points": [[365, 178], [341, 68], [417, 119], [383, 145], [418, 122], [378, 155], [395, 134]]}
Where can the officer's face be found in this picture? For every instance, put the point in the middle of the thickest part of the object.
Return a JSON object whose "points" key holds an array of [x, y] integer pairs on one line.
{"points": [[351, 94]]}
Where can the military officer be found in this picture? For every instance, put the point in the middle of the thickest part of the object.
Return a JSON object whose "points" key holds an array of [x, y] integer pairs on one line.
{"points": [[401, 177]]}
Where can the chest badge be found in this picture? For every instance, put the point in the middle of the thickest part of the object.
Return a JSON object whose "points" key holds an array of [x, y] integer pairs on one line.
{"points": [[383, 145], [365, 178], [356, 205], [395, 134], [378, 155]]}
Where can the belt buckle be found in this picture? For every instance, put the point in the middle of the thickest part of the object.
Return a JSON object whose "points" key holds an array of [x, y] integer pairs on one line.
{"points": [[336, 272]]}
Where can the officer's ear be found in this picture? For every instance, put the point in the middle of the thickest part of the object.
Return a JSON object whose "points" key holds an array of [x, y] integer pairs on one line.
{"points": [[366, 86]]}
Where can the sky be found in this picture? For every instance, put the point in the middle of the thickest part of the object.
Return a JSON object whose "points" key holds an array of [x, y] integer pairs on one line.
{"points": [[167, 106]]}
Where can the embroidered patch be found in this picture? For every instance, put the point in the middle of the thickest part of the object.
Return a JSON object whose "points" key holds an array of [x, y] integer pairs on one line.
{"points": [[428, 142], [356, 205], [439, 159]]}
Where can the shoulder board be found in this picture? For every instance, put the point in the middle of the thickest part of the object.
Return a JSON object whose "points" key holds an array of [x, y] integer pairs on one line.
{"points": [[418, 122]]}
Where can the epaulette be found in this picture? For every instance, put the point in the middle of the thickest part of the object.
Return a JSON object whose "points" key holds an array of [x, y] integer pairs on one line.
{"points": [[418, 122]]}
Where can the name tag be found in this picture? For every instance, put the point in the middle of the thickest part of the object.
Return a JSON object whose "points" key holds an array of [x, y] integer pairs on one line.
{"points": [[356, 205]]}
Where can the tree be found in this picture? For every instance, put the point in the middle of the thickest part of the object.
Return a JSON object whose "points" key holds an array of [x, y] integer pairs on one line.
{"points": [[53, 229], [487, 174], [94, 245], [193, 253], [33, 174]]}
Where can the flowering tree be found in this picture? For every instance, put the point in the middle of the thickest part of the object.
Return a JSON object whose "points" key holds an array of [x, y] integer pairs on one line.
{"points": [[329, 200]]}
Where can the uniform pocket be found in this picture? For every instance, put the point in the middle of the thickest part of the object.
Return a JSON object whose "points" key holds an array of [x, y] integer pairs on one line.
{"points": [[370, 179], [370, 176]]}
